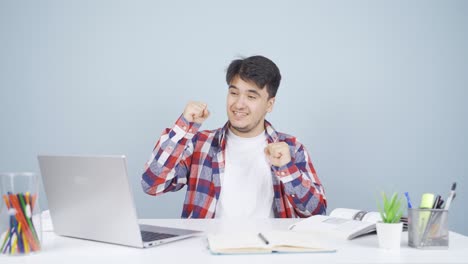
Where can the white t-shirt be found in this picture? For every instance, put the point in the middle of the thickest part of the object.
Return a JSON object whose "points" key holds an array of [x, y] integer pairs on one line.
{"points": [[246, 185]]}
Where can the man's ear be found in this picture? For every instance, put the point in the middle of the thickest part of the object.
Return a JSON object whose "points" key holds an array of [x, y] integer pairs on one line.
{"points": [[271, 103]]}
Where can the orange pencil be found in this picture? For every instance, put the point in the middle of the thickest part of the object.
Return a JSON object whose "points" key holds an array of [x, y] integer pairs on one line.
{"points": [[5, 198], [22, 220]]}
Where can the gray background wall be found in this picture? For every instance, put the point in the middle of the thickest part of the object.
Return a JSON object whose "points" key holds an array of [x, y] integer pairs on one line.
{"points": [[376, 90]]}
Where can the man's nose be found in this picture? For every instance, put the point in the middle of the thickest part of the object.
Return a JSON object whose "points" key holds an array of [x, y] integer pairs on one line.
{"points": [[240, 102]]}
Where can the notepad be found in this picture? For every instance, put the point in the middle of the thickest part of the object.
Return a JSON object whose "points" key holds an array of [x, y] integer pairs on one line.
{"points": [[267, 242]]}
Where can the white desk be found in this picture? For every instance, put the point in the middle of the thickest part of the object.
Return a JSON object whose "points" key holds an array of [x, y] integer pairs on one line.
{"points": [[58, 249]]}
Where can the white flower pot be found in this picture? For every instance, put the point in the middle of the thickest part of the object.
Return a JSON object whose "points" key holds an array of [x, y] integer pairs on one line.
{"points": [[389, 235]]}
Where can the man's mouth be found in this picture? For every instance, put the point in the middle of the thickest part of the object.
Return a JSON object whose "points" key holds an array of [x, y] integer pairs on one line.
{"points": [[239, 114]]}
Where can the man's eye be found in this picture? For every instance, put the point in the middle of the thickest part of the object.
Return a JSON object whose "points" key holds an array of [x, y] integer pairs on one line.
{"points": [[252, 97], [233, 93]]}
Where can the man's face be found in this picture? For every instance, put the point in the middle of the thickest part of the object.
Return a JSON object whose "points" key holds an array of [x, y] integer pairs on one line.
{"points": [[246, 107]]}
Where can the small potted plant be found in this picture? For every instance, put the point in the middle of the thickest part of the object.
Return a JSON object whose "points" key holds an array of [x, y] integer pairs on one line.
{"points": [[390, 228]]}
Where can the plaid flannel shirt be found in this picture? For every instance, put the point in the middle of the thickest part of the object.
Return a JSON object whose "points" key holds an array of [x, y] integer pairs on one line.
{"points": [[186, 156]]}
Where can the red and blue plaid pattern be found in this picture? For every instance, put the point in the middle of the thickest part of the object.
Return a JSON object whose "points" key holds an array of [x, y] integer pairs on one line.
{"points": [[185, 156]]}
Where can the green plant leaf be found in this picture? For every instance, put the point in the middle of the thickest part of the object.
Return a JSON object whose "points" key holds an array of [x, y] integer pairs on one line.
{"points": [[391, 211], [385, 202]]}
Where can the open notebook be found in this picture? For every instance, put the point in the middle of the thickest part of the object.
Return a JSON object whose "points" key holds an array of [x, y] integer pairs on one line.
{"points": [[343, 223], [265, 242]]}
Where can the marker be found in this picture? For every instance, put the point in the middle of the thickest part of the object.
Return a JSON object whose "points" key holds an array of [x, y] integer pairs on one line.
{"points": [[433, 218], [408, 200], [427, 201]]}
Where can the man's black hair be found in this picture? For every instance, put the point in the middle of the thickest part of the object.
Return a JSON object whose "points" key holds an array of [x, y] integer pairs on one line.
{"points": [[257, 69]]}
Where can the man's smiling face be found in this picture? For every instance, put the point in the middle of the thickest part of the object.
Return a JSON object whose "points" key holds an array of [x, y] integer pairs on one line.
{"points": [[247, 105]]}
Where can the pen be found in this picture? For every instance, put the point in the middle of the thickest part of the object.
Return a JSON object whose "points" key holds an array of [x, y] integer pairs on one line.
{"points": [[260, 235], [408, 200], [436, 201], [451, 196], [448, 202], [443, 215], [441, 202]]}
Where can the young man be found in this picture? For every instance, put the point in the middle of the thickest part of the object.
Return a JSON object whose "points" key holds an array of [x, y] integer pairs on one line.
{"points": [[244, 169]]}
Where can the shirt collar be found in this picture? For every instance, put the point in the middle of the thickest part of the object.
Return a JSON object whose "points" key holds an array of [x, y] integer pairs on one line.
{"points": [[270, 132]]}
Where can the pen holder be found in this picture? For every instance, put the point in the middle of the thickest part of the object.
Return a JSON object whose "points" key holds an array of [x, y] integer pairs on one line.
{"points": [[428, 228], [20, 221]]}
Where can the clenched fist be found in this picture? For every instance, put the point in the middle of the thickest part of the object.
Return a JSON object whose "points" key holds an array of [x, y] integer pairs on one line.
{"points": [[278, 153], [196, 112]]}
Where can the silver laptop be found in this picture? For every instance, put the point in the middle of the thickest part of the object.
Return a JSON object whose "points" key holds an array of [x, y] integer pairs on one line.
{"points": [[89, 197]]}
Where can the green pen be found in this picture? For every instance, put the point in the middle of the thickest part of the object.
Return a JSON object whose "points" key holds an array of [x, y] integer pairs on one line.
{"points": [[27, 214]]}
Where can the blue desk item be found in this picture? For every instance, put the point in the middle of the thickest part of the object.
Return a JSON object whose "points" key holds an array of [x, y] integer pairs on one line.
{"points": [[408, 200]]}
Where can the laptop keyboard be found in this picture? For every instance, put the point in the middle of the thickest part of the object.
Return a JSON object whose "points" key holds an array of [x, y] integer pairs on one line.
{"points": [[152, 236]]}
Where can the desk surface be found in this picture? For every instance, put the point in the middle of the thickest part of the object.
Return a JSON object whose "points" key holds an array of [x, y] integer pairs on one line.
{"points": [[57, 249]]}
